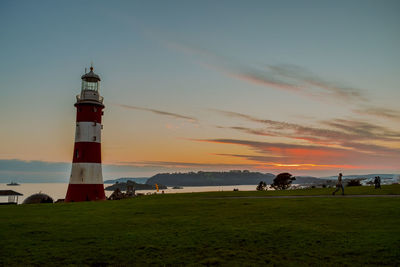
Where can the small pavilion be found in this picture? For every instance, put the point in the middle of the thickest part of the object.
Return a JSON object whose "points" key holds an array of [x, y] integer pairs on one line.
{"points": [[12, 197]]}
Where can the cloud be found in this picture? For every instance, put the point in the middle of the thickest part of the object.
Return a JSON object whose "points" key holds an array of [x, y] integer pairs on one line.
{"points": [[379, 112], [341, 144], [228, 67], [258, 158], [33, 171], [174, 165], [364, 129], [287, 77], [270, 146], [253, 131], [305, 76], [268, 162], [371, 148], [59, 172], [346, 133], [307, 156], [266, 79], [160, 112], [297, 79]]}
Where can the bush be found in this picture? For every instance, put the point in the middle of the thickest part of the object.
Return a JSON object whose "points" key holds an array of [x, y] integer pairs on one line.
{"points": [[261, 186], [354, 183], [282, 181]]}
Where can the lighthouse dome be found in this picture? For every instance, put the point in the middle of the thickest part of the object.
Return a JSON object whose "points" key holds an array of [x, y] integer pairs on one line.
{"points": [[90, 76], [38, 198]]}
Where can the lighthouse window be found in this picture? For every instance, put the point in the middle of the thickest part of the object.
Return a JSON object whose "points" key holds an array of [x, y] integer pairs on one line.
{"points": [[94, 138], [90, 85], [77, 153]]}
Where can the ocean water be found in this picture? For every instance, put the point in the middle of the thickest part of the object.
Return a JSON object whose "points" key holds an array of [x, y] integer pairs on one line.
{"points": [[59, 190]]}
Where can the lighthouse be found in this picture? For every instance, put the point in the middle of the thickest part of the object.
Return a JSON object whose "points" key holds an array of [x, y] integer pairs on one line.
{"points": [[86, 180]]}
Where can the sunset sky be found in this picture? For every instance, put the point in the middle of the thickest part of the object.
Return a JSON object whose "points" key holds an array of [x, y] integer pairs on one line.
{"points": [[309, 87]]}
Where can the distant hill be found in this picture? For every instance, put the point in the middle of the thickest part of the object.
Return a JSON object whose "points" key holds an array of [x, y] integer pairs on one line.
{"points": [[211, 178], [223, 178], [238, 177], [123, 186], [138, 180], [308, 180]]}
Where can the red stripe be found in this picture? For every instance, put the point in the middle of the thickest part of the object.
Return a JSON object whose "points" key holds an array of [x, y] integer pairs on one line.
{"points": [[85, 192], [87, 152], [89, 112]]}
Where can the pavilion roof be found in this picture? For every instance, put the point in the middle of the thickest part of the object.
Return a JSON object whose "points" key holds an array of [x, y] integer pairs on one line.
{"points": [[9, 193]]}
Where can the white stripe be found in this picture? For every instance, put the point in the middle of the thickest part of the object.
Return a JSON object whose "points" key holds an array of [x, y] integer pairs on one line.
{"points": [[86, 173], [87, 131]]}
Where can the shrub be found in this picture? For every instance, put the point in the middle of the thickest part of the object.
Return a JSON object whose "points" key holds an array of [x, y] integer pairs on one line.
{"points": [[261, 186], [282, 181], [354, 183]]}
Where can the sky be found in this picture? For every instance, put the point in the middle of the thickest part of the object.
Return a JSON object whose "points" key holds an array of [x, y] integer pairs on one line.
{"points": [[308, 87]]}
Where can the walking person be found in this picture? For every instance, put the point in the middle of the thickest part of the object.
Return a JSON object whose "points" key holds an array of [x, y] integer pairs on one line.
{"points": [[339, 184], [377, 182]]}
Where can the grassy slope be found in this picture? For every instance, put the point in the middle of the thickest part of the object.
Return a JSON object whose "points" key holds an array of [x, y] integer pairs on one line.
{"points": [[192, 228]]}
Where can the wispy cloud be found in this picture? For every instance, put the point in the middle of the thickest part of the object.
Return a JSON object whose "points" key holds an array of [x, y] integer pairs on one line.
{"points": [[297, 79], [270, 146], [185, 165], [268, 162], [347, 134], [160, 112], [379, 112], [287, 77], [264, 78], [364, 129], [342, 129], [232, 68], [307, 156], [306, 77]]}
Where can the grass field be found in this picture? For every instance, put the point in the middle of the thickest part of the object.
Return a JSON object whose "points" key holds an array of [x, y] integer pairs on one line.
{"points": [[206, 228]]}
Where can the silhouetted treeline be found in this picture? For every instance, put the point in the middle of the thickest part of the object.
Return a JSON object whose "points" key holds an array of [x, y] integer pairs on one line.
{"points": [[235, 177], [123, 186]]}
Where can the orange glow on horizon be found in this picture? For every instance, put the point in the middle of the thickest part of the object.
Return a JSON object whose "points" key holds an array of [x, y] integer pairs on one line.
{"points": [[305, 166]]}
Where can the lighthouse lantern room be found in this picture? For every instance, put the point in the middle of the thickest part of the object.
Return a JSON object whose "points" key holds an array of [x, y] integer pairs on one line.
{"points": [[86, 180]]}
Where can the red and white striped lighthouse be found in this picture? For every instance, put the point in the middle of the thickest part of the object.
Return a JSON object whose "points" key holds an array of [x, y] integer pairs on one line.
{"points": [[86, 181]]}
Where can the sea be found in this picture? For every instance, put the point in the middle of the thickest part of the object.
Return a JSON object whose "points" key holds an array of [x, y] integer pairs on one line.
{"points": [[59, 190]]}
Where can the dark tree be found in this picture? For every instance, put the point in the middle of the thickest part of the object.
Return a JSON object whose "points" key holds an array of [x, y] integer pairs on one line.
{"points": [[261, 186], [282, 181], [354, 183]]}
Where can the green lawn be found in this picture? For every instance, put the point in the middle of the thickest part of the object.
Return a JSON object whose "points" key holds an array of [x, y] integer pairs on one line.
{"points": [[203, 228]]}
